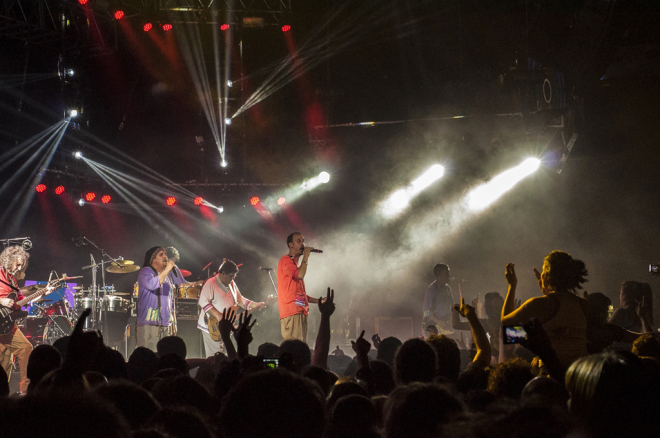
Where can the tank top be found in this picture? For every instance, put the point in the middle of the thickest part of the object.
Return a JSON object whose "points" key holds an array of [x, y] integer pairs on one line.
{"points": [[568, 328]]}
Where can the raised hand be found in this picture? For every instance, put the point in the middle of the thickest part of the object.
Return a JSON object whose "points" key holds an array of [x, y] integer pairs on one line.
{"points": [[226, 324], [510, 274], [243, 333], [375, 339], [464, 309], [327, 305], [361, 346]]}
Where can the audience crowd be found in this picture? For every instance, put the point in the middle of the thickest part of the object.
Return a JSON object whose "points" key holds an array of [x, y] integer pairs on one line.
{"points": [[577, 373]]}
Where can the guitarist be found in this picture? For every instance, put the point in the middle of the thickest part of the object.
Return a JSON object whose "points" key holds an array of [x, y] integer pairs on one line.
{"points": [[219, 293], [13, 262]]}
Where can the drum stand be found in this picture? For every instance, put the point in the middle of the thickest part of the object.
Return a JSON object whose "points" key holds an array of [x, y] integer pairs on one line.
{"points": [[96, 319], [53, 325]]}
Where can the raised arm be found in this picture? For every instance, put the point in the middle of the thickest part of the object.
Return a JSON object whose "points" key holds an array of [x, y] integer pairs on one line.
{"points": [[482, 358], [456, 322], [322, 346]]}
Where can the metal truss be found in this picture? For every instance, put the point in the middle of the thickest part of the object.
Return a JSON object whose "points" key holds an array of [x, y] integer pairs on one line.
{"points": [[273, 12], [54, 24]]}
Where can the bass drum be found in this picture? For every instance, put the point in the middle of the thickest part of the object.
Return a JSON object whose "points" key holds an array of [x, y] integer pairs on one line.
{"points": [[40, 331]]}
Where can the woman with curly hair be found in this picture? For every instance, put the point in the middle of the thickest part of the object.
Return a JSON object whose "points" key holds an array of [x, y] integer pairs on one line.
{"points": [[561, 312]]}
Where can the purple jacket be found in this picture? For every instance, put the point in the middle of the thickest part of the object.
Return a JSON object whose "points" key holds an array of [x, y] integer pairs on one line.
{"points": [[154, 299]]}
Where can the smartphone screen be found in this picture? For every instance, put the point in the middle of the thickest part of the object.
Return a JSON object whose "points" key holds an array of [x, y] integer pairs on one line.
{"points": [[272, 363], [514, 334]]}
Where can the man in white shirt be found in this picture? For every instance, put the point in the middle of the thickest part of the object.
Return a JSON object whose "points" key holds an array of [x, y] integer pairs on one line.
{"points": [[219, 293]]}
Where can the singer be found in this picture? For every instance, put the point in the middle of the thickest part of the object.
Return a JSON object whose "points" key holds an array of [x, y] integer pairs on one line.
{"points": [[292, 298], [155, 318], [438, 302]]}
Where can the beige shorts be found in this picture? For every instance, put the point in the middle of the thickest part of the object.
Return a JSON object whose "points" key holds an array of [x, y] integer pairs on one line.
{"points": [[294, 327]]}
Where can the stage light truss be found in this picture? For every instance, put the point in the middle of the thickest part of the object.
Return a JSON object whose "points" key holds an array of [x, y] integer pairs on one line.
{"points": [[273, 12], [50, 23]]}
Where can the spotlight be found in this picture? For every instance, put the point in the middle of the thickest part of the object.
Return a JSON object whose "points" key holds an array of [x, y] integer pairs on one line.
{"points": [[254, 200], [83, 2], [485, 194], [286, 28], [324, 177], [78, 155], [399, 200], [198, 200], [147, 27], [73, 113], [223, 163], [41, 188], [167, 27], [81, 202], [59, 190], [221, 209], [106, 199], [70, 72], [90, 196], [281, 200], [227, 121], [224, 26], [119, 15], [170, 201], [229, 84]]}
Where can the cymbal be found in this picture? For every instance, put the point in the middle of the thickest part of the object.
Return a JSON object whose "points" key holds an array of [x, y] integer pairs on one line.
{"points": [[126, 262], [120, 293], [123, 268], [32, 288], [185, 273]]}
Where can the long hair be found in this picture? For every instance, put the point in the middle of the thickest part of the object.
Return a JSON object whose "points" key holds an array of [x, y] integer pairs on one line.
{"points": [[11, 254]]}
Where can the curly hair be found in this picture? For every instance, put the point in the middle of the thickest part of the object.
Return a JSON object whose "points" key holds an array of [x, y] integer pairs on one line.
{"points": [[508, 379], [12, 254], [564, 272]]}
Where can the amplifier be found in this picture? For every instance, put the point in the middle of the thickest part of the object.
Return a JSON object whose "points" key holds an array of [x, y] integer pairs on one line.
{"points": [[399, 327], [186, 309]]}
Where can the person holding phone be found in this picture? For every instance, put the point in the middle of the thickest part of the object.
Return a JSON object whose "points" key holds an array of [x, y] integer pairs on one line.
{"points": [[561, 312]]}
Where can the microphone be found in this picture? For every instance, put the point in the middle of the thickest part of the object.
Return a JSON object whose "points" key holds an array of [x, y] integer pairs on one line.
{"points": [[79, 241], [266, 269], [317, 250], [174, 269]]}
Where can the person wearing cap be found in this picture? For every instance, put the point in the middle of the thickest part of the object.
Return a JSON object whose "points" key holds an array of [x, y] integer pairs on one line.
{"points": [[155, 318]]}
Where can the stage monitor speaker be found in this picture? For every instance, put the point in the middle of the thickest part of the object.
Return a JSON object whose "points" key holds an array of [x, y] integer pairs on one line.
{"points": [[192, 336], [399, 327]]}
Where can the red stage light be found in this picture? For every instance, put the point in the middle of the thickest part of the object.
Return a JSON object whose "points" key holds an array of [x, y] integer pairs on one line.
{"points": [[286, 28], [147, 27], [198, 200], [83, 2], [59, 190], [105, 199], [41, 188], [254, 200], [119, 15], [281, 200], [224, 26], [170, 201], [90, 196], [167, 27]]}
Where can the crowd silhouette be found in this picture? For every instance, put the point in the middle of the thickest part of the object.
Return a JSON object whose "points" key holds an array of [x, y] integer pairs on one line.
{"points": [[577, 373]]}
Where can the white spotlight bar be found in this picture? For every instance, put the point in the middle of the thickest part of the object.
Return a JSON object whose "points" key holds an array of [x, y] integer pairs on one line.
{"points": [[399, 200], [482, 196]]}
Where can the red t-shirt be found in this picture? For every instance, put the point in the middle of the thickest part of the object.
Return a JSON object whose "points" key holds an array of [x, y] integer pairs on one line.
{"points": [[5, 289], [291, 294]]}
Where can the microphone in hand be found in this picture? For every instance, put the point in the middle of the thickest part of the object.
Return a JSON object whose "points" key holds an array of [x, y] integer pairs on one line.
{"points": [[316, 250]]}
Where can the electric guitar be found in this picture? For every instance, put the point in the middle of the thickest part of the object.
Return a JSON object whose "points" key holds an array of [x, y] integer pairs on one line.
{"points": [[214, 323], [8, 315]]}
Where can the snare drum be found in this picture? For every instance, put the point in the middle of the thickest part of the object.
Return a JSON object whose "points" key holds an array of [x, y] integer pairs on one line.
{"points": [[112, 303], [189, 292]]}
